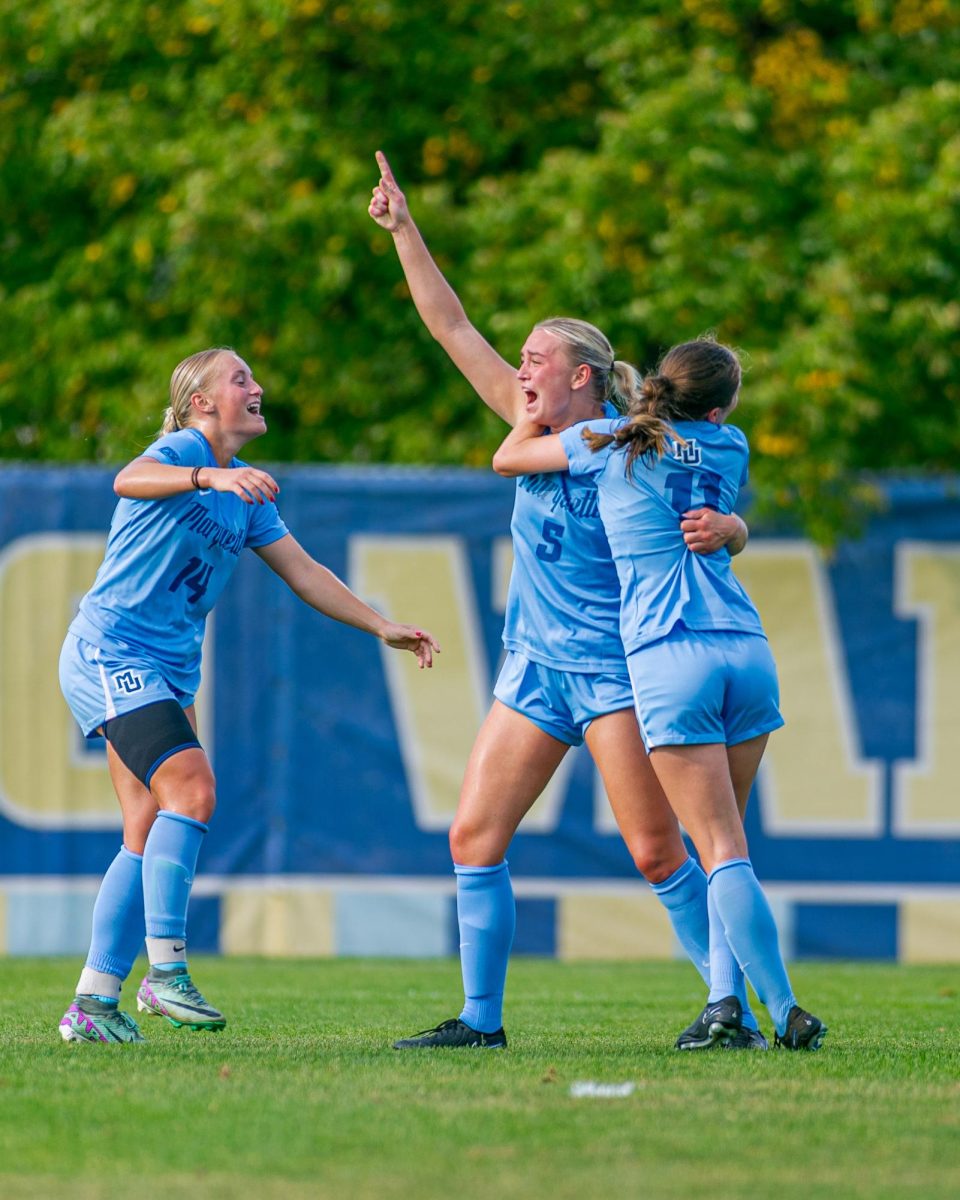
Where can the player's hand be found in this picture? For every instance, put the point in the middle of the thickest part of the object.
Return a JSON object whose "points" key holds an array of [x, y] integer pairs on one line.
{"points": [[705, 530], [251, 485], [388, 207], [407, 637]]}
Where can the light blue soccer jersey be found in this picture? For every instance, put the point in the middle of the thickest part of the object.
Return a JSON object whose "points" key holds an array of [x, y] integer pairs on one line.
{"points": [[166, 563], [662, 582], [562, 608]]}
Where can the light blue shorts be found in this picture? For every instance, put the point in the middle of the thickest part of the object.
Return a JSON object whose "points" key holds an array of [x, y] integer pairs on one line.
{"points": [[561, 703], [695, 688], [99, 684]]}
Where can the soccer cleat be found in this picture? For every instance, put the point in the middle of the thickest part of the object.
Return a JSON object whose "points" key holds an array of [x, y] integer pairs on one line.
{"points": [[91, 1020], [746, 1039], [804, 1031], [718, 1023], [450, 1034], [172, 994]]}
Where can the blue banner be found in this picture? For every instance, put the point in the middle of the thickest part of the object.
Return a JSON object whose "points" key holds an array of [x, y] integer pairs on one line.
{"points": [[337, 760]]}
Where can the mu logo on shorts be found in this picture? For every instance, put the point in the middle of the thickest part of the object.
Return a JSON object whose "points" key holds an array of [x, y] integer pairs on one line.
{"points": [[127, 681]]}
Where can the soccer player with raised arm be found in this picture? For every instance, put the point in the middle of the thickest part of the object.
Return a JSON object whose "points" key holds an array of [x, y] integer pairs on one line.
{"points": [[704, 681], [564, 680]]}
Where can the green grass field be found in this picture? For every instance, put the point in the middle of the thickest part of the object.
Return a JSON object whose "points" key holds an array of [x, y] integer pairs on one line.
{"points": [[302, 1095]]}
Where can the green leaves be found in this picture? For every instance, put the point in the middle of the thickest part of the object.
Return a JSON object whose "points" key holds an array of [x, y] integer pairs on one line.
{"points": [[785, 174]]}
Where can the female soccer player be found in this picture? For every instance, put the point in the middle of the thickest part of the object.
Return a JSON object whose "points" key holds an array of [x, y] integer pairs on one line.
{"points": [[564, 680], [130, 667], [704, 680]]}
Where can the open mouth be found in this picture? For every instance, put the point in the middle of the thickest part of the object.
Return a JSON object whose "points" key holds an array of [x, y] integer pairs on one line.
{"points": [[254, 407]]}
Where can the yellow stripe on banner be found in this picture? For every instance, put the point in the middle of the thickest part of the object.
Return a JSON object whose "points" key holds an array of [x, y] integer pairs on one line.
{"points": [[928, 589], [278, 924], [814, 779], [42, 578], [929, 931], [438, 713], [613, 927]]}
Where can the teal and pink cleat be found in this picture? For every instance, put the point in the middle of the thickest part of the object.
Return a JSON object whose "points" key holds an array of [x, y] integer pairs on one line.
{"points": [[96, 1021], [172, 994]]}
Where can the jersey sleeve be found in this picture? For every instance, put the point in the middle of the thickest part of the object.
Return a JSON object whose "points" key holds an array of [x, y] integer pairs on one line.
{"points": [[265, 526], [581, 459], [178, 449]]}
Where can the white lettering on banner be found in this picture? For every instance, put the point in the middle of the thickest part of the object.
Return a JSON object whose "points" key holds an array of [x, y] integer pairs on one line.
{"points": [[927, 587], [813, 780], [49, 779]]}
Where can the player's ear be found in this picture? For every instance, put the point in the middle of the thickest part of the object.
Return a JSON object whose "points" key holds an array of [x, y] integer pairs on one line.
{"points": [[581, 376]]}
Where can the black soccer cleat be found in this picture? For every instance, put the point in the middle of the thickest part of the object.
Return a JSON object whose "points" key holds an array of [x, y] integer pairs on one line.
{"points": [[450, 1034], [746, 1039], [719, 1022], [804, 1031]]}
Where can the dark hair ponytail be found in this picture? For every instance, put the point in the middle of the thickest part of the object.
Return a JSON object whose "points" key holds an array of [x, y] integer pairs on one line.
{"points": [[692, 380]]}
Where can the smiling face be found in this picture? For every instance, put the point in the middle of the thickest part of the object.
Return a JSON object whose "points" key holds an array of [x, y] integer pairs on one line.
{"points": [[556, 391], [234, 398]]}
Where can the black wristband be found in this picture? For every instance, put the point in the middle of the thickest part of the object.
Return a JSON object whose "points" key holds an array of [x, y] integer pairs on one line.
{"points": [[195, 477]]}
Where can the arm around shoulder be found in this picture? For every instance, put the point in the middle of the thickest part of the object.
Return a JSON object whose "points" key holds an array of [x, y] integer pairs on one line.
{"points": [[527, 450], [705, 531]]}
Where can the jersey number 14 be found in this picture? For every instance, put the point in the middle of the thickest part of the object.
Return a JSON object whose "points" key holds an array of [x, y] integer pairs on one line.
{"points": [[195, 576]]}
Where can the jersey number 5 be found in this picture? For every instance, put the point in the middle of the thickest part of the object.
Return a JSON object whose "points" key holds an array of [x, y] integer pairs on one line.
{"points": [[195, 576], [550, 549]]}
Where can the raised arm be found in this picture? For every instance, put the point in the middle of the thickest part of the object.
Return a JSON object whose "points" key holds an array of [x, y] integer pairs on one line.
{"points": [[491, 376], [317, 586], [148, 479]]}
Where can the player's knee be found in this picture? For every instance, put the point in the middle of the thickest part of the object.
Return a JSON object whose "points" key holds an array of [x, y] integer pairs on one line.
{"points": [[474, 845], [462, 842], [657, 861], [196, 800]]}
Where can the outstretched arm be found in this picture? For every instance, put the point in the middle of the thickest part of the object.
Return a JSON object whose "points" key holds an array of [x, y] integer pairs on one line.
{"points": [[147, 479], [705, 531], [322, 590], [490, 375], [527, 450]]}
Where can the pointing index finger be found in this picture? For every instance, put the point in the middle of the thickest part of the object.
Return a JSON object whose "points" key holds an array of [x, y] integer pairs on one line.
{"points": [[385, 169]]}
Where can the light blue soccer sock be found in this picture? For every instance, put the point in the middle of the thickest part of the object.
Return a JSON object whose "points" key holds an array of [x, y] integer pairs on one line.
{"points": [[684, 895], [118, 928], [169, 864], [487, 915], [752, 934], [726, 976]]}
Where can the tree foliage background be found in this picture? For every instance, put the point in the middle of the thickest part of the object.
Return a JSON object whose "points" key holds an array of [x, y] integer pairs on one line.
{"points": [[785, 173]]}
